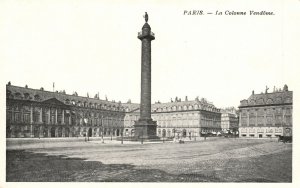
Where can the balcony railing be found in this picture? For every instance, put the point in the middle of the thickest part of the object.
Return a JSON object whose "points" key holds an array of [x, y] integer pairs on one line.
{"points": [[141, 33]]}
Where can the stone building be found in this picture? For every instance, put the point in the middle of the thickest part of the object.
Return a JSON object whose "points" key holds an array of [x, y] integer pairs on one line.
{"points": [[178, 118], [39, 113], [267, 114], [229, 119]]}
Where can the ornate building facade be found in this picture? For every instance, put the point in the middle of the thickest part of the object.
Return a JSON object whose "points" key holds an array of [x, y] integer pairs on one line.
{"points": [[39, 113], [229, 119], [267, 114], [179, 118]]}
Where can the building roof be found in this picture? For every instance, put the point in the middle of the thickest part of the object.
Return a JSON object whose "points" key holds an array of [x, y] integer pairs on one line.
{"points": [[229, 110], [39, 95], [131, 107], [29, 94], [185, 105], [275, 98]]}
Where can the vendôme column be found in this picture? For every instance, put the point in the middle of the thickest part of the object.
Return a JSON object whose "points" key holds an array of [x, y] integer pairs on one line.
{"points": [[145, 127]]}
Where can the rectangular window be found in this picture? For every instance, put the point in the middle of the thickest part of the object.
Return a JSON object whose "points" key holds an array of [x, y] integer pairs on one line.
{"points": [[252, 121], [278, 120], [26, 118], [288, 120], [36, 117], [260, 120], [244, 121], [269, 120]]}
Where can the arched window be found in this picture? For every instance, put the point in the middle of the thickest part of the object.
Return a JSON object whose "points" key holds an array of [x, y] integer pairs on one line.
{"points": [[278, 100], [164, 133], [18, 95], [26, 96], [37, 97], [9, 94], [169, 133], [67, 101], [183, 133]]}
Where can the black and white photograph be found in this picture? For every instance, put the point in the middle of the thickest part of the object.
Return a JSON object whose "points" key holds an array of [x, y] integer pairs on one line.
{"points": [[148, 92]]}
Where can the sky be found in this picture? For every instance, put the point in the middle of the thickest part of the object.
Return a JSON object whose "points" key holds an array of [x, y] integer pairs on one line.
{"points": [[92, 46]]}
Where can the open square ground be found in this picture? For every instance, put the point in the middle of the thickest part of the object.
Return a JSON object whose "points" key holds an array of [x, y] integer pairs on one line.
{"points": [[211, 160]]}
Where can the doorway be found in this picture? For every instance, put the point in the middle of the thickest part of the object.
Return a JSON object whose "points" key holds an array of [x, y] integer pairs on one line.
{"points": [[90, 132], [53, 132]]}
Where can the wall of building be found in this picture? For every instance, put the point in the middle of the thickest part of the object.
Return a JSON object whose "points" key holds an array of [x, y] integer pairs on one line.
{"points": [[38, 113], [267, 114], [30, 116], [179, 123], [266, 121]]}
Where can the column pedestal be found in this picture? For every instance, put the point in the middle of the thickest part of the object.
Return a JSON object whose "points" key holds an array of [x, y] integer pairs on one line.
{"points": [[145, 129]]}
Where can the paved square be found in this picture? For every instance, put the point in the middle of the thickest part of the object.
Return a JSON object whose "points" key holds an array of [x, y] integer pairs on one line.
{"points": [[213, 160]]}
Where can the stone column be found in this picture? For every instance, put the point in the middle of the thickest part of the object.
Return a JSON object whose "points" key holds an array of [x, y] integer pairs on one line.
{"points": [[31, 122], [41, 115], [248, 119], [13, 114], [256, 118], [49, 115], [70, 123], [145, 110], [55, 116], [63, 117], [274, 120], [31, 114], [49, 131], [283, 120], [22, 115], [145, 127], [265, 118]]}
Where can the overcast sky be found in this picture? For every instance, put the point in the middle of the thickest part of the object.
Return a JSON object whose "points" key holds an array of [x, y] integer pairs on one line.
{"points": [[92, 46]]}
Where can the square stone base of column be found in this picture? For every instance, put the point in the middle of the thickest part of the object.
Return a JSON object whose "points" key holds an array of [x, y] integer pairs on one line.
{"points": [[145, 129]]}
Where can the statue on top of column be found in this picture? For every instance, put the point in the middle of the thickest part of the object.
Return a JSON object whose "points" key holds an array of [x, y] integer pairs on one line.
{"points": [[146, 17]]}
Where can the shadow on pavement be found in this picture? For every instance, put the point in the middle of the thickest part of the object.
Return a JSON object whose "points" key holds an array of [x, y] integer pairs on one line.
{"points": [[24, 166]]}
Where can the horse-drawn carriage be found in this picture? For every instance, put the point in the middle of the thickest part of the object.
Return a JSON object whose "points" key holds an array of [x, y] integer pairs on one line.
{"points": [[286, 137]]}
